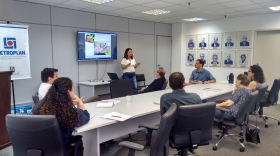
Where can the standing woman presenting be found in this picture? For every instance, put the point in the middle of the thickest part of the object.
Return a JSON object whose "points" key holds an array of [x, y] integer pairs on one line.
{"points": [[128, 66]]}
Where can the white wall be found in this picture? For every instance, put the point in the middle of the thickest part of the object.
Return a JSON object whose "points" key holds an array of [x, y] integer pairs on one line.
{"points": [[258, 22], [53, 42]]}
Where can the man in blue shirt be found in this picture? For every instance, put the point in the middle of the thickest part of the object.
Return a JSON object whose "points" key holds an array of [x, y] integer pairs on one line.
{"points": [[201, 75]]}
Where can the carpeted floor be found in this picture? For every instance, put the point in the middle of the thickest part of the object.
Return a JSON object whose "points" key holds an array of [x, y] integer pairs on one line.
{"points": [[270, 142]]}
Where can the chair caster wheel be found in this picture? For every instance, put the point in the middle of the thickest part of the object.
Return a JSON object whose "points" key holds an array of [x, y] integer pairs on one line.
{"points": [[215, 148], [242, 149], [241, 140], [278, 122], [266, 117], [266, 126]]}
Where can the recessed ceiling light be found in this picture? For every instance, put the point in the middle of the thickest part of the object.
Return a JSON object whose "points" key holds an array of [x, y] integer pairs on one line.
{"points": [[98, 1], [194, 19], [156, 12], [276, 8]]}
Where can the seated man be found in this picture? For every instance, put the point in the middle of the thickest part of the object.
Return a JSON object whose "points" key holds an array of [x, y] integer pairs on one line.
{"points": [[48, 75], [156, 84], [201, 75], [178, 95]]}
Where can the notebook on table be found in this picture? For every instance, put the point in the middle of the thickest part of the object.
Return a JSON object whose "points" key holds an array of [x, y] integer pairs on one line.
{"points": [[104, 104]]}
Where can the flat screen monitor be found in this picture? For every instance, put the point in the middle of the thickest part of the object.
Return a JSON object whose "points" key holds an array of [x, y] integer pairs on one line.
{"points": [[94, 46]]}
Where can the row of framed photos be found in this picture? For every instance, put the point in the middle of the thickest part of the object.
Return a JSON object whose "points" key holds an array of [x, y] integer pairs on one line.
{"points": [[216, 58], [226, 40]]}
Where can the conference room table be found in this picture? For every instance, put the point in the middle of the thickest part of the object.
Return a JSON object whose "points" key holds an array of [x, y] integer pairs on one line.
{"points": [[143, 110]]}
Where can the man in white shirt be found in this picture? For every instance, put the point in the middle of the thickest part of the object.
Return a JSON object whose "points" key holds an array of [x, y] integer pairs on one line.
{"points": [[48, 75]]}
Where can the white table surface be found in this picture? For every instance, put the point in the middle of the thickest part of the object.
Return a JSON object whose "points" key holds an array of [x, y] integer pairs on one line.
{"points": [[143, 104]]}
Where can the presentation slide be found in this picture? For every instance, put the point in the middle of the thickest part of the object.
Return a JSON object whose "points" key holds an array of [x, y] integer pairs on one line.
{"points": [[97, 45]]}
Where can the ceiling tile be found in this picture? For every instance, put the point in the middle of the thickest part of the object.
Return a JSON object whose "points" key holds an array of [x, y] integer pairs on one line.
{"points": [[138, 8], [263, 10], [78, 4], [171, 14], [175, 8], [157, 4], [237, 3], [152, 17], [236, 14], [121, 12], [187, 11], [271, 4], [138, 1], [221, 11], [263, 1], [137, 15], [43, 2], [178, 1], [211, 7], [118, 4], [220, 1], [47, 1], [198, 3], [68, 7], [100, 8], [248, 7]]}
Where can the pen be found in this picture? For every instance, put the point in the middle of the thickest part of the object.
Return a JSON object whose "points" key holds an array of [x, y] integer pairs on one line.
{"points": [[116, 116]]}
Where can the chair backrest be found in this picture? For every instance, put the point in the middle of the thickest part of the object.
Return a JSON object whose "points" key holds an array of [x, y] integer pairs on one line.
{"points": [[242, 114], [121, 87], [35, 98], [274, 92], [140, 77], [262, 91], [34, 135], [164, 85], [193, 125], [166, 123]]}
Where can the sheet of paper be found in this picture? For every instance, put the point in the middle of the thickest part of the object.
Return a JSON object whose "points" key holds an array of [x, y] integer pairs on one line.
{"points": [[104, 104], [116, 116], [114, 101], [91, 116]]}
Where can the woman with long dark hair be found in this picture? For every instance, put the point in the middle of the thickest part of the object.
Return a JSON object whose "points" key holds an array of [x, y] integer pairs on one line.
{"points": [[128, 65], [255, 72], [60, 101]]}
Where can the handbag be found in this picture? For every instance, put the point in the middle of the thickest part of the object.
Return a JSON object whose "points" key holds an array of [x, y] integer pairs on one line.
{"points": [[252, 135]]}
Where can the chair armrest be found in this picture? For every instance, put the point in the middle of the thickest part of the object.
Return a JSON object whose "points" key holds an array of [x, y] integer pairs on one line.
{"points": [[223, 109], [132, 145], [152, 127]]}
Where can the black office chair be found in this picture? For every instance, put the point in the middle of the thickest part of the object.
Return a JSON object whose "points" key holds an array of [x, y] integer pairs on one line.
{"points": [[193, 127], [38, 135], [164, 85], [158, 145], [140, 78], [35, 98], [271, 101], [121, 88], [240, 120]]}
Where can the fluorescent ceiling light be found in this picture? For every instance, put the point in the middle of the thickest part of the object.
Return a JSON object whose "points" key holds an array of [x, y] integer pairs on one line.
{"points": [[98, 1], [276, 8], [194, 19], [156, 12]]}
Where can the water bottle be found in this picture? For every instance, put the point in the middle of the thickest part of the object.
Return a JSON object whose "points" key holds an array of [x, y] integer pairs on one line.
{"points": [[230, 78]]}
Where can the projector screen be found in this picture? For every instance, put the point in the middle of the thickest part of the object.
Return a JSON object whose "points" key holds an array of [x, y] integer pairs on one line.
{"points": [[96, 46]]}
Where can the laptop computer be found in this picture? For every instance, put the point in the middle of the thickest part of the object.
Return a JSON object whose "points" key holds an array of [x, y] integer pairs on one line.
{"points": [[113, 76]]}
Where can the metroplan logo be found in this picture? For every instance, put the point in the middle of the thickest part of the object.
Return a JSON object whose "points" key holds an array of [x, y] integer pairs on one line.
{"points": [[10, 43]]}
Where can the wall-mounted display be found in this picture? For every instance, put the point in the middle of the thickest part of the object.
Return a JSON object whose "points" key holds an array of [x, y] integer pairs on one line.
{"points": [[202, 41], [190, 58], [243, 58], [229, 39], [191, 42], [215, 41], [245, 39], [228, 58], [203, 56], [214, 59]]}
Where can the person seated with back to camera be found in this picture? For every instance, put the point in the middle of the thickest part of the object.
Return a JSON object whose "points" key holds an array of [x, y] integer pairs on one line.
{"points": [[237, 98], [201, 75], [48, 76], [156, 84], [60, 101]]}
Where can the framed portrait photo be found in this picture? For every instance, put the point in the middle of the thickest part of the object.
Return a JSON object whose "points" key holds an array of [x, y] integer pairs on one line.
{"points": [[190, 58], [215, 41], [191, 42], [243, 58], [203, 56], [229, 40], [202, 41], [245, 39], [214, 59], [228, 58]]}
